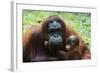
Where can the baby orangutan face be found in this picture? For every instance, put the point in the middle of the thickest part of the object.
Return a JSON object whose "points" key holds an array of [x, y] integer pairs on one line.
{"points": [[72, 42]]}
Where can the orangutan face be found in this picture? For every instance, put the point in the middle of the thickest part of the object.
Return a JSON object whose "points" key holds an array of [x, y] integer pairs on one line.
{"points": [[55, 35]]}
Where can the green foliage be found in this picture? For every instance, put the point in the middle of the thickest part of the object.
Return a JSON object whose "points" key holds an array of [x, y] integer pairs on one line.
{"points": [[81, 22]]}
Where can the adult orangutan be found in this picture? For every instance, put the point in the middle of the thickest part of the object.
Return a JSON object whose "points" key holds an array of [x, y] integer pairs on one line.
{"points": [[50, 42]]}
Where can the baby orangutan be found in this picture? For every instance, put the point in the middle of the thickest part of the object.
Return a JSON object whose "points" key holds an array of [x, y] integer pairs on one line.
{"points": [[72, 51]]}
